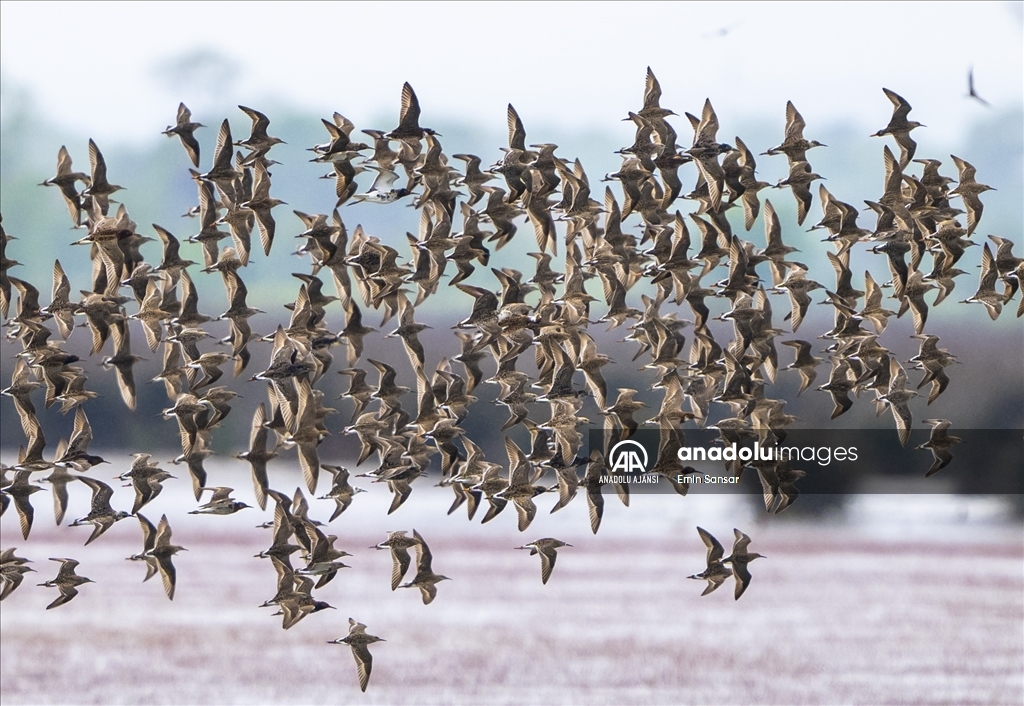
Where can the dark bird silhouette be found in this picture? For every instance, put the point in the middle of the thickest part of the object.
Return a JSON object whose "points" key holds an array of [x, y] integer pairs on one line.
{"points": [[971, 92]]}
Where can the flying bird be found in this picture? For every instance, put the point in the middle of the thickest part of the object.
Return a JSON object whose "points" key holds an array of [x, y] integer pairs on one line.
{"points": [[716, 572], [359, 641], [548, 550], [66, 581], [971, 92]]}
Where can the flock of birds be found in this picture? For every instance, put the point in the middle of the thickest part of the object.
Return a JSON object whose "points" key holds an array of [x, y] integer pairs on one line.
{"points": [[545, 316]]}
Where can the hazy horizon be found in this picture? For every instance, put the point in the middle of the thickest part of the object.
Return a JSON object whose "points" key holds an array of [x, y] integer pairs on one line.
{"points": [[561, 67]]}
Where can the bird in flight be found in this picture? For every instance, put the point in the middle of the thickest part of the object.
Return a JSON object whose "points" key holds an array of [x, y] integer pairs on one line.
{"points": [[971, 93]]}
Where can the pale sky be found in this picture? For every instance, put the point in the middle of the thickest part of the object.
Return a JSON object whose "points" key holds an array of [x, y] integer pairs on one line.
{"points": [[104, 66]]}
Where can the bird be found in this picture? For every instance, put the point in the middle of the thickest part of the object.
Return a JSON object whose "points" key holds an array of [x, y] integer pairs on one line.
{"points": [[775, 250], [986, 293], [933, 361], [258, 455], [897, 398], [805, 363], [299, 603], [158, 551], [778, 483], [548, 550], [341, 147], [873, 310], [794, 146], [839, 386], [99, 189], [259, 142], [409, 118], [520, 488], [354, 333], [147, 487], [652, 109], [221, 503], [307, 435], [383, 190], [425, 580], [939, 443], [359, 640], [261, 204], [171, 262], [123, 361], [323, 558], [971, 92], [101, 516], [409, 331], [913, 298], [20, 490], [739, 559], [12, 572], [65, 180], [183, 128], [899, 127], [66, 581], [223, 172], [799, 181], [716, 572], [798, 286]]}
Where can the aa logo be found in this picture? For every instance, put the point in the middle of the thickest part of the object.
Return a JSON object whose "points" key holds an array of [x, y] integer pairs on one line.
{"points": [[628, 456]]}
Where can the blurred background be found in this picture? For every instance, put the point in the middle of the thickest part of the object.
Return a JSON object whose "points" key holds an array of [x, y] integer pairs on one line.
{"points": [[116, 73]]}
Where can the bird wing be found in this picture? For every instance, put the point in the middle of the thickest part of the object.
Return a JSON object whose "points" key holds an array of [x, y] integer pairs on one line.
{"points": [[149, 533], [742, 576], [401, 561], [548, 555], [25, 513], [66, 594], [901, 413], [429, 591], [168, 574], [409, 117], [163, 533], [527, 511], [715, 549], [101, 494], [364, 663], [518, 465]]}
